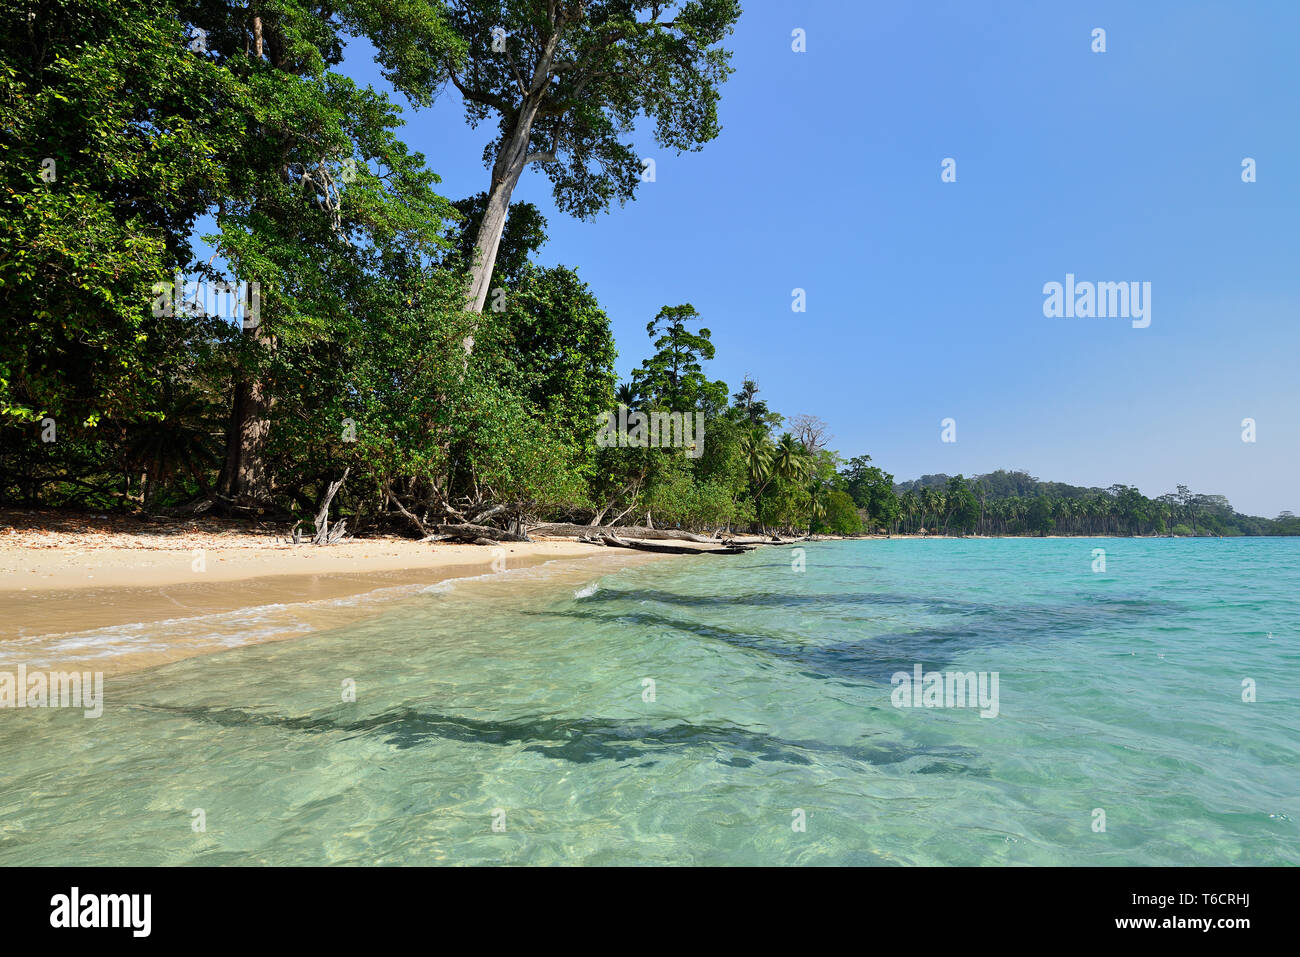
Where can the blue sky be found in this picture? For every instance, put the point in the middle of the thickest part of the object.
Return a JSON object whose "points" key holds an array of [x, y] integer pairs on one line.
{"points": [[924, 298]]}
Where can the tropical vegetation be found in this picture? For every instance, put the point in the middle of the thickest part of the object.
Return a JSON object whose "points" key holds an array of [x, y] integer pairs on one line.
{"points": [[399, 350]]}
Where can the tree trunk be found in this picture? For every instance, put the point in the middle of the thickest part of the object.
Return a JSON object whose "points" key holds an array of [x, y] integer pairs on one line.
{"points": [[322, 536], [472, 533], [507, 169], [569, 530], [244, 477]]}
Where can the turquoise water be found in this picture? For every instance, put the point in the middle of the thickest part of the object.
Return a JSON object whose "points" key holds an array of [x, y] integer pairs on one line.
{"points": [[521, 700]]}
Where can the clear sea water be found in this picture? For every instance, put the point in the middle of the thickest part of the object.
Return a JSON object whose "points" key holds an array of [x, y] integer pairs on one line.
{"points": [[520, 701]]}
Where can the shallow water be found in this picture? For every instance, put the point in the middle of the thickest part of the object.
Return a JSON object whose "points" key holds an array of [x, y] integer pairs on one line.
{"points": [[522, 701]]}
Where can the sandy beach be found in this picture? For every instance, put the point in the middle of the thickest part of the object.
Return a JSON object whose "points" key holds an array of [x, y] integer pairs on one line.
{"points": [[72, 587]]}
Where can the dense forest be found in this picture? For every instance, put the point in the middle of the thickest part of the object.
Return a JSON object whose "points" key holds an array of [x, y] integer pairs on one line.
{"points": [[1015, 503], [355, 339]]}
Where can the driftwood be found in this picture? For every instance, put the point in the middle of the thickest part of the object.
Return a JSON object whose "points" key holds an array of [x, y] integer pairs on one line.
{"points": [[672, 549], [415, 520], [478, 534], [324, 534], [566, 530], [477, 517]]}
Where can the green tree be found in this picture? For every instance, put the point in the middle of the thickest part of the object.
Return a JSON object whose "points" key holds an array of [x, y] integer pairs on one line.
{"points": [[753, 409], [111, 133], [1038, 516], [872, 489], [962, 508], [523, 235], [324, 201], [841, 515], [566, 82], [673, 378], [560, 349]]}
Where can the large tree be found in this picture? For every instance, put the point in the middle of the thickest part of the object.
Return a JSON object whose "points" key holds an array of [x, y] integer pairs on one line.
{"points": [[872, 490], [566, 82], [323, 194], [109, 142], [674, 376], [556, 341]]}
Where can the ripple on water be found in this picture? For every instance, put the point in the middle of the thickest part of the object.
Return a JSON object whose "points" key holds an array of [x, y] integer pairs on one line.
{"points": [[692, 711]]}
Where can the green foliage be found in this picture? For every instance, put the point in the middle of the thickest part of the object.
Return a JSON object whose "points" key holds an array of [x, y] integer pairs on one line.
{"points": [[1005, 497], [155, 117], [1038, 518], [754, 410], [523, 235], [872, 490], [962, 511], [106, 102], [581, 74], [841, 516], [673, 378], [559, 344], [678, 500]]}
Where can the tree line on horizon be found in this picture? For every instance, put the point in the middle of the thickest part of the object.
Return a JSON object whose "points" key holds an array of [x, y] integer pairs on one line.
{"points": [[1013, 502], [410, 359]]}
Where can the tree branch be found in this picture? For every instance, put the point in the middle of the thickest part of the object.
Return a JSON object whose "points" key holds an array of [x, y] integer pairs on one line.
{"points": [[478, 96]]}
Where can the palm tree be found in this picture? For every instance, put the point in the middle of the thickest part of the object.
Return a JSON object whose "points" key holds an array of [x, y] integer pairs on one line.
{"points": [[182, 439], [908, 505], [1060, 510], [925, 499], [756, 448], [757, 452], [790, 461], [816, 507], [1017, 509], [997, 517], [933, 503]]}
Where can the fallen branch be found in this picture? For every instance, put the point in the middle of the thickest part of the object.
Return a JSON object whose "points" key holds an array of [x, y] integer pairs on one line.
{"points": [[392, 497], [471, 533], [322, 536], [567, 530], [673, 549]]}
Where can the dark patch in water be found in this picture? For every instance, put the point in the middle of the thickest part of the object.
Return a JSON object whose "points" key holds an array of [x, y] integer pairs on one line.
{"points": [[777, 599], [1101, 607], [948, 767], [875, 658], [870, 660], [581, 740]]}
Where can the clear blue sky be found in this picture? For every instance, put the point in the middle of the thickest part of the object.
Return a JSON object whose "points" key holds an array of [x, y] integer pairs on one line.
{"points": [[925, 298]]}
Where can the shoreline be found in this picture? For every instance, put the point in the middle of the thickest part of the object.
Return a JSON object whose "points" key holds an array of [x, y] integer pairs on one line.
{"points": [[118, 608], [121, 594]]}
